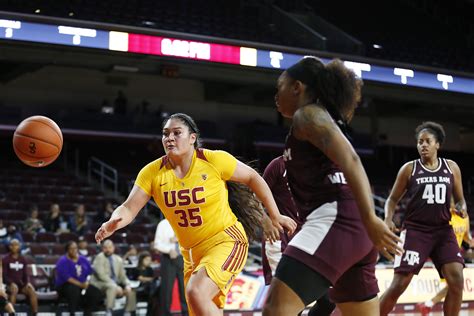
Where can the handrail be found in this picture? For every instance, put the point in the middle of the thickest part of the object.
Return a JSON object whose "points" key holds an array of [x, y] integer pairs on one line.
{"points": [[105, 172]]}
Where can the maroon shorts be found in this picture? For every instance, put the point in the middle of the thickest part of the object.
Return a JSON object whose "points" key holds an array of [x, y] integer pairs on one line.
{"points": [[334, 243], [438, 244]]}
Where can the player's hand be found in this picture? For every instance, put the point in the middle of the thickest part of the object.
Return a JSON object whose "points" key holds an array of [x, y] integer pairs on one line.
{"points": [[284, 222], [270, 232], [384, 239], [460, 211], [107, 229], [391, 225], [3, 294]]}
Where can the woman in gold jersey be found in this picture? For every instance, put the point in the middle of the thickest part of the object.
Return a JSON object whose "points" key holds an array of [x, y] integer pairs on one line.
{"points": [[189, 184]]}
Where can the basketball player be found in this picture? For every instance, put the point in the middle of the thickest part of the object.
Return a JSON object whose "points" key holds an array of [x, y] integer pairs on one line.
{"points": [[462, 231], [429, 183], [335, 245], [189, 186], [276, 178]]}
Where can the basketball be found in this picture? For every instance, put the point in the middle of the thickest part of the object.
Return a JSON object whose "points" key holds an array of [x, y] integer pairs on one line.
{"points": [[37, 141]]}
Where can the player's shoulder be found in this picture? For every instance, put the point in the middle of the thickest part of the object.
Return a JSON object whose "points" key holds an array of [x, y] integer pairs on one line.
{"points": [[451, 163], [276, 163], [210, 155], [312, 115], [156, 165], [408, 168]]}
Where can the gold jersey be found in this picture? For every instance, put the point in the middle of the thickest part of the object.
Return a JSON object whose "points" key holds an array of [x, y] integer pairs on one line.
{"points": [[460, 227], [197, 205]]}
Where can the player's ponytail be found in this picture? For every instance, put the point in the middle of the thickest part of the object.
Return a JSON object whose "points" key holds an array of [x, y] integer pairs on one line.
{"points": [[247, 208]]}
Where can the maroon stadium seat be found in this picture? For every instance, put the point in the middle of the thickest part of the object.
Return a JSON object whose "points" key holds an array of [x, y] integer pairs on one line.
{"points": [[46, 237]]}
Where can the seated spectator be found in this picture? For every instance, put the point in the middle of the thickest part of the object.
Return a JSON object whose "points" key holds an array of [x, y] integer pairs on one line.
{"points": [[15, 276], [5, 305], [148, 288], [110, 278], [33, 224], [83, 248], [79, 222], [12, 233], [106, 212], [131, 256], [72, 281], [55, 222]]}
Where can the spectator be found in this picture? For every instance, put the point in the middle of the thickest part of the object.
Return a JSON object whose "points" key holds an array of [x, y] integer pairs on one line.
{"points": [[107, 212], [72, 281], [5, 305], [15, 276], [33, 224], [12, 233], [131, 256], [79, 222], [171, 267], [149, 285], [83, 248], [55, 222], [110, 278]]}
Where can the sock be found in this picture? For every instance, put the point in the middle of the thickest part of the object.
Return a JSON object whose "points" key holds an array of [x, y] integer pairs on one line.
{"points": [[429, 303]]}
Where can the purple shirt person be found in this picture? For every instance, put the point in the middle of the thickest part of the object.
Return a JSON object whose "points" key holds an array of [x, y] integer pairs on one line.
{"points": [[67, 268], [72, 281]]}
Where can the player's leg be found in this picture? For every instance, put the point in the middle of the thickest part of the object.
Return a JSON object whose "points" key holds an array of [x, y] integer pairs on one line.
{"points": [[355, 292], [200, 292], [426, 307], [294, 286], [323, 307], [369, 307], [417, 246], [217, 261], [439, 296], [452, 272], [389, 298], [30, 292], [12, 290]]}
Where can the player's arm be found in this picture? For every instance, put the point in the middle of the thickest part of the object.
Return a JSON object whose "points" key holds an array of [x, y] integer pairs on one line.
{"points": [[314, 124], [124, 214], [459, 201], [397, 192], [248, 176]]}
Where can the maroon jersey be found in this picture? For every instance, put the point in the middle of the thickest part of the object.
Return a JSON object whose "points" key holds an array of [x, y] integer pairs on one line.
{"points": [[429, 195], [15, 270], [313, 178], [276, 177]]}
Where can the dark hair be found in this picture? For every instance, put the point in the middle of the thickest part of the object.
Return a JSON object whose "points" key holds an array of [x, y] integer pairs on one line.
{"points": [[141, 256], [68, 244], [334, 86], [248, 209], [434, 128], [189, 122]]}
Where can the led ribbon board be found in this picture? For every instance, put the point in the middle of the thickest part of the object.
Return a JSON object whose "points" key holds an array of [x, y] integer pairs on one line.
{"points": [[218, 53]]}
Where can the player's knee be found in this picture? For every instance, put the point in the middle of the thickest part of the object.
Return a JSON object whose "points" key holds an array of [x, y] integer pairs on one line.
{"points": [[194, 295], [399, 287], [456, 282], [271, 307]]}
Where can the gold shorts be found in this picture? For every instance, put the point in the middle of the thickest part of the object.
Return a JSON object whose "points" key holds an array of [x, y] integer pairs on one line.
{"points": [[223, 256]]}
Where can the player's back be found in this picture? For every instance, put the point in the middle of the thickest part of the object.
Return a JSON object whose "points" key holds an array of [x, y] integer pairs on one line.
{"points": [[313, 178]]}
